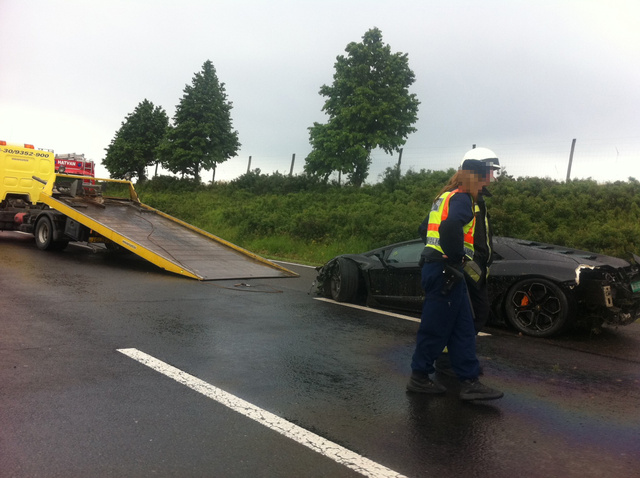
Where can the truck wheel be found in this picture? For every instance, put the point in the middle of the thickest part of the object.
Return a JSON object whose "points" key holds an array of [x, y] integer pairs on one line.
{"points": [[44, 236], [44, 233]]}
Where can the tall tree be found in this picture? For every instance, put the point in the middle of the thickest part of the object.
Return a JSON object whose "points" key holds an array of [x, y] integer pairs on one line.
{"points": [[369, 106], [134, 146], [202, 135]]}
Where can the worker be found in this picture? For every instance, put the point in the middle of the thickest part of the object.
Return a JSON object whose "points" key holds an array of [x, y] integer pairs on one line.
{"points": [[482, 256], [482, 238], [447, 316]]}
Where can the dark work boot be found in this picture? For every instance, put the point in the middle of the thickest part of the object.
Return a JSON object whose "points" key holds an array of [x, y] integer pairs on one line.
{"points": [[423, 384], [474, 390]]}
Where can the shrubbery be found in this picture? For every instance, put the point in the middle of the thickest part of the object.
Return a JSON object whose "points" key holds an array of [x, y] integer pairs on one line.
{"points": [[297, 218]]}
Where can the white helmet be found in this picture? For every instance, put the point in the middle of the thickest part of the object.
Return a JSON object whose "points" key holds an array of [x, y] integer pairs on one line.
{"points": [[487, 158]]}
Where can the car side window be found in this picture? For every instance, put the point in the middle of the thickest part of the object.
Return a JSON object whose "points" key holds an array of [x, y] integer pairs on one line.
{"points": [[408, 253]]}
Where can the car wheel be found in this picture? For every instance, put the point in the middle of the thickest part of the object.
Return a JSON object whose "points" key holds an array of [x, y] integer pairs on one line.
{"points": [[343, 283], [538, 307]]}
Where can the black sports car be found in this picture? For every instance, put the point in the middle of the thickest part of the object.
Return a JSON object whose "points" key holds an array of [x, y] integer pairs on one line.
{"points": [[540, 289]]}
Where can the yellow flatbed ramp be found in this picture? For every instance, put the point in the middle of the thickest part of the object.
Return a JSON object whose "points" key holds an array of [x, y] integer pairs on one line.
{"points": [[164, 240]]}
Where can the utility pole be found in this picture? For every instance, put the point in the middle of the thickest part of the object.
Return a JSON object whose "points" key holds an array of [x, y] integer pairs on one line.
{"points": [[249, 165], [399, 161], [293, 160], [573, 147]]}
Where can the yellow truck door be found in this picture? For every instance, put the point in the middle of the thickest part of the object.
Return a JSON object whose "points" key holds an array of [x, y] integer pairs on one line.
{"points": [[18, 163]]}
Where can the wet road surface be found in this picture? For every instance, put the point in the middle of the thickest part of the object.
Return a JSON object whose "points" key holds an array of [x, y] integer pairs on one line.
{"points": [[72, 405]]}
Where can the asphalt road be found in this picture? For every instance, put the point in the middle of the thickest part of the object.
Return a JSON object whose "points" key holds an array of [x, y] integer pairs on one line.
{"points": [[112, 367]]}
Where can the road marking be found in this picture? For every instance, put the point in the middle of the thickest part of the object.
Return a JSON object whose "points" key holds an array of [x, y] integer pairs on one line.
{"points": [[331, 450], [369, 309], [381, 312]]}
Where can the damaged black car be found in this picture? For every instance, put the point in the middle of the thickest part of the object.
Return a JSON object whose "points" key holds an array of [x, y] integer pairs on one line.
{"points": [[539, 289]]}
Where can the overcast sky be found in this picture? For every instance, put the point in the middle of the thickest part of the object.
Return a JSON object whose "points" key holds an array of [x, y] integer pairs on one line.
{"points": [[520, 77]]}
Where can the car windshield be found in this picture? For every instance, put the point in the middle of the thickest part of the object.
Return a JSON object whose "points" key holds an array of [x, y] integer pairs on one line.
{"points": [[407, 253]]}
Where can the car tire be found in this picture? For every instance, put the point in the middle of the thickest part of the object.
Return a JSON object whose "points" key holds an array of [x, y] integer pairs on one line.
{"points": [[538, 307], [343, 284]]}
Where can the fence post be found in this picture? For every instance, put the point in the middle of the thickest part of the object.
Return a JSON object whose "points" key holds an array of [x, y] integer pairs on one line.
{"points": [[293, 160], [399, 161], [573, 147]]}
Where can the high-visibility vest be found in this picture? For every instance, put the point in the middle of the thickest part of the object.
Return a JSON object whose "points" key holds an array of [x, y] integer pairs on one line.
{"points": [[439, 212]]}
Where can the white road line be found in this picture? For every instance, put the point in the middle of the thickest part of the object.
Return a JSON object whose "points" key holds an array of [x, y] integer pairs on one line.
{"points": [[381, 312], [369, 309], [304, 437]]}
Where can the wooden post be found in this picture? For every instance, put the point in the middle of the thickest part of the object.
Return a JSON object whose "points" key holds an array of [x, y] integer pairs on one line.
{"points": [[293, 160], [249, 165], [573, 147]]}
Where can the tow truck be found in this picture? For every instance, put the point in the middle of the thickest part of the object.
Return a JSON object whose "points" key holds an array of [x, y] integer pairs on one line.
{"points": [[58, 208]]}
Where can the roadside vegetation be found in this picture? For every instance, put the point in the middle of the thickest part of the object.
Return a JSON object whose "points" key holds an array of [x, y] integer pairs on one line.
{"points": [[300, 219]]}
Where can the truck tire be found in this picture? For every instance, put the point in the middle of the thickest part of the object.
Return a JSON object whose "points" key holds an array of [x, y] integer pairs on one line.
{"points": [[44, 236]]}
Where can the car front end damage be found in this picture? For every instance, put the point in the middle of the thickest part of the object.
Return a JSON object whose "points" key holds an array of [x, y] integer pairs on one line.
{"points": [[609, 295], [342, 278]]}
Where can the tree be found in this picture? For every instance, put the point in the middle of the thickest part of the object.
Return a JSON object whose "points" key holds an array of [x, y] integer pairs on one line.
{"points": [[134, 146], [202, 135], [369, 106]]}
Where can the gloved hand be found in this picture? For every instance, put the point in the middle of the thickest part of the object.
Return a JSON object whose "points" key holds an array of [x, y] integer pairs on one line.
{"points": [[473, 271]]}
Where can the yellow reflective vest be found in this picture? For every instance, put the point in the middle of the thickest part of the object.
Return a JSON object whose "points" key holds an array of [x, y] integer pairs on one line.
{"points": [[440, 212]]}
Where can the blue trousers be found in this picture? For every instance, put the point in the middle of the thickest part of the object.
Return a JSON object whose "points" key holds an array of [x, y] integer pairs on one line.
{"points": [[446, 321]]}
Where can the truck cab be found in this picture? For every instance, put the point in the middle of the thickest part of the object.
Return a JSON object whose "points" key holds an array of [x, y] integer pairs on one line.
{"points": [[18, 164]]}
